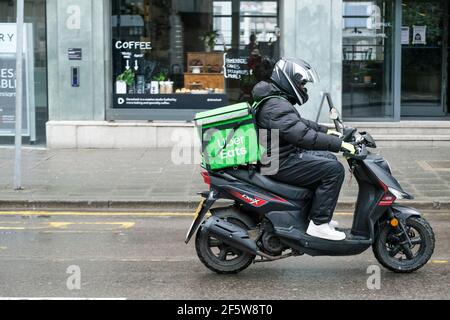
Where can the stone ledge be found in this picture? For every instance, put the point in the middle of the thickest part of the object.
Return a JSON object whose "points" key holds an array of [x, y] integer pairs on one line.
{"points": [[129, 135]]}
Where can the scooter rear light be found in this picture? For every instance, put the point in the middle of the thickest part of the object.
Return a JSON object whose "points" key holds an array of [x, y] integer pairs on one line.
{"points": [[206, 178], [388, 198], [387, 201]]}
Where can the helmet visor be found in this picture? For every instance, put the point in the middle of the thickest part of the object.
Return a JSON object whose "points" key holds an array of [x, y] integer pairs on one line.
{"points": [[304, 68]]}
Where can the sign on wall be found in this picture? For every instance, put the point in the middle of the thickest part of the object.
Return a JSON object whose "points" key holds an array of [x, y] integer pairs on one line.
{"points": [[8, 42], [405, 35], [8, 97], [419, 34]]}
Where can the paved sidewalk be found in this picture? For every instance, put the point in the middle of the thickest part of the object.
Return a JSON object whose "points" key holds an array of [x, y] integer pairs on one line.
{"points": [[148, 179]]}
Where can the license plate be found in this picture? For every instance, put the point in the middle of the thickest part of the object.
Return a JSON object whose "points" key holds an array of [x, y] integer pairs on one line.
{"points": [[198, 219], [199, 209]]}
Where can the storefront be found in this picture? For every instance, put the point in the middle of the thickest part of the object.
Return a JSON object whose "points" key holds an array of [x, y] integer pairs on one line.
{"points": [[118, 69], [394, 55]]}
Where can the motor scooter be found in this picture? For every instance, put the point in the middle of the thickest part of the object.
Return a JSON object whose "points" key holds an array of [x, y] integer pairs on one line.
{"points": [[268, 219]]}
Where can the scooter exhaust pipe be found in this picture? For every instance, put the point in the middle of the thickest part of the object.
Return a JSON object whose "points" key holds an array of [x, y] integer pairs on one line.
{"points": [[230, 234]]}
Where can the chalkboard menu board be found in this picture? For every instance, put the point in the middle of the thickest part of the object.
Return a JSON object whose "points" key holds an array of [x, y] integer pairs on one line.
{"points": [[235, 67]]}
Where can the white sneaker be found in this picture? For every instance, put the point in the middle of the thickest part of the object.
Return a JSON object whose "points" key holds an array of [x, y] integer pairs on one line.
{"points": [[334, 224], [324, 231]]}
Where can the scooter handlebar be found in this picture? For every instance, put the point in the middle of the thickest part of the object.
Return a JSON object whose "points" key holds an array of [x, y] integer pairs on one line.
{"points": [[361, 153]]}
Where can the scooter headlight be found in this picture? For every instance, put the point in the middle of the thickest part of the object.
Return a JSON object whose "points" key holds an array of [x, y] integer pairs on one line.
{"points": [[399, 195]]}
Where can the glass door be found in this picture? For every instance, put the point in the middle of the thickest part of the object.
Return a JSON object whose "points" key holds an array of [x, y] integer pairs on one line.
{"points": [[424, 57], [368, 56]]}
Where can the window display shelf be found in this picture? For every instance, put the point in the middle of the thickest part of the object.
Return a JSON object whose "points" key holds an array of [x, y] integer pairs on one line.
{"points": [[206, 62], [205, 80]]}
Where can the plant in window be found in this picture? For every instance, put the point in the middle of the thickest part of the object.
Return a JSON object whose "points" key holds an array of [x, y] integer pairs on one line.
{"points": [[160, 77], [127, 77], [210, 40], [123, 80]]}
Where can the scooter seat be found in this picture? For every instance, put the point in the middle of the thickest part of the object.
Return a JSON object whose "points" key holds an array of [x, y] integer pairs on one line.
{"points": [[278, 188]]}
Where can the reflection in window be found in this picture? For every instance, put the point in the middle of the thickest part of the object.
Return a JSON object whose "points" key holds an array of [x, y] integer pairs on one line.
{"points": [[222, 20], [222, 8], [367, 58], [422, 62], [259, 8]]}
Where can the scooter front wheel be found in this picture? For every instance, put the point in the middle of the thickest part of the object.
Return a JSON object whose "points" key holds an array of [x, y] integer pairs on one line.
{"points": [[405, 254]]}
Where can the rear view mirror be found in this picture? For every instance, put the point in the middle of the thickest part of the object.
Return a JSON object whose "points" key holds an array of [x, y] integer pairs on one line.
{"points": [[370, 141], [334, 114]]}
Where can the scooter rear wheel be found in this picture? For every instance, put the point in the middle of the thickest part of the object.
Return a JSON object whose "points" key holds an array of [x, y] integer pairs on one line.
{"points": [[218, 256], [399, 255]]}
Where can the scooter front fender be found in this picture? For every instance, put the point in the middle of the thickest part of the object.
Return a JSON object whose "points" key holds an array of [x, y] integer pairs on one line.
{"points": [[403, 213]]}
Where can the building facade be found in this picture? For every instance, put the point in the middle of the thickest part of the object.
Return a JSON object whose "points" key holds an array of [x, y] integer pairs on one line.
{"points": [[128, 73]]}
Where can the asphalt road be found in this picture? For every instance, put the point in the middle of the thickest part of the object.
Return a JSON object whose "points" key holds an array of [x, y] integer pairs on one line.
{"points": [[146, 258]]}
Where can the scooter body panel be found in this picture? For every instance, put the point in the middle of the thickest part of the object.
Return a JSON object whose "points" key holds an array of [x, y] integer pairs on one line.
{"points": [[255, 199], [312, 246], [367, 211], [290, 218]]}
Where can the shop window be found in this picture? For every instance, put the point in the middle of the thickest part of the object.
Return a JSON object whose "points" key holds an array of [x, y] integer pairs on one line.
{"points": [[368, 56], [424, 57], [190, 54]]}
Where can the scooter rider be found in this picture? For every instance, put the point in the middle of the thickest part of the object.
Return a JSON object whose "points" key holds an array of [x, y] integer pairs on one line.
{"points": [[304, 146]]}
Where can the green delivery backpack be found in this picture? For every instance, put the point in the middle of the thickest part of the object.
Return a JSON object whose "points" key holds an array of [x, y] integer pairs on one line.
{"points": [[229, 136]]}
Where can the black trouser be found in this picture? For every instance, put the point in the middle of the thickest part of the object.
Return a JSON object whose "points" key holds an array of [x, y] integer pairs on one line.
{"points": [[319, 171]]}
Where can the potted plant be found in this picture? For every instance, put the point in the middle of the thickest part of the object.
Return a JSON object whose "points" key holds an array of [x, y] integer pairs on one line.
{"points": [[209, 39], [124, 80], [160, 78]]}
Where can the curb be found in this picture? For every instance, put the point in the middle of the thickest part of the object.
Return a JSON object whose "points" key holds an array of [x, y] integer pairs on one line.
{"points": [[163, 206], [96, 205]]}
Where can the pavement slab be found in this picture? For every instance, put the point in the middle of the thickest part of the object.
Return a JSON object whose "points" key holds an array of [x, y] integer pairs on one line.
{"points": [[137, 176]]}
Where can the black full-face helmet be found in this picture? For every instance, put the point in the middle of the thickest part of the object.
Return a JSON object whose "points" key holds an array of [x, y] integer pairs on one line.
{"points": [[291, 76]]}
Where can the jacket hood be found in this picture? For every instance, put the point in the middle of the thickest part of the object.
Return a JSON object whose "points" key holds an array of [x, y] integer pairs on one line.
{"points": [[266, 89]]}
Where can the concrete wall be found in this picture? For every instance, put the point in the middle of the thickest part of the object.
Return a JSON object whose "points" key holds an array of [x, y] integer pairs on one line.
{"points": [[78, 24], [120, 135], [312, 30]]}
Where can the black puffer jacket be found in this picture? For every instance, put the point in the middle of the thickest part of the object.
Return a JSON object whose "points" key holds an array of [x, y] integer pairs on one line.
{"points": [[295, 132]]}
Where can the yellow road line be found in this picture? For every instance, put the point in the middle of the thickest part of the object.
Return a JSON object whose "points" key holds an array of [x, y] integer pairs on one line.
{"points": [[342, 214], [115, 214], [20, 226], [65, 225], [95, 214], [439, 261]]}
